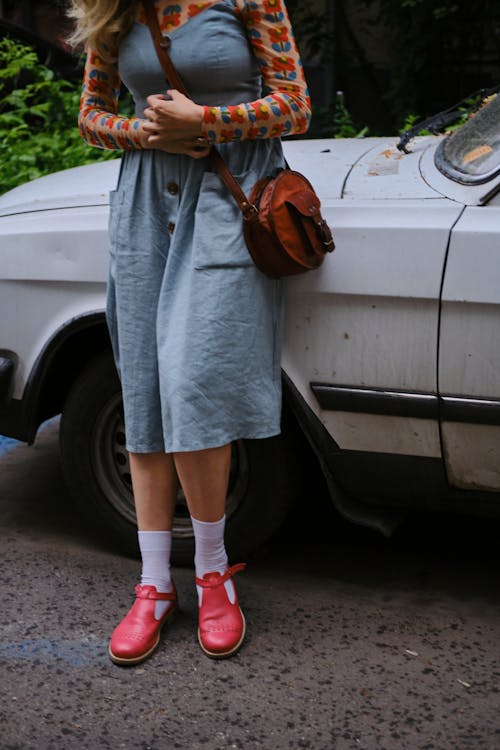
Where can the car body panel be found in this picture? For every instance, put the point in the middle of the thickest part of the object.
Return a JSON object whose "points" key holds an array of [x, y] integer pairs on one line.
{"points": [[380, 286], [57, 305], [59, 245], [469, 353], [327, 162], [80, 186], [472, 455], [54, 263], [383, 172]]}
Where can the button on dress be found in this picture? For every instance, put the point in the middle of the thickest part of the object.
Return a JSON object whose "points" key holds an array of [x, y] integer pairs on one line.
{"points": [[195, 327]]}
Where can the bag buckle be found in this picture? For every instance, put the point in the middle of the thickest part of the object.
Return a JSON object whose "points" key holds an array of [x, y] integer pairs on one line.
{"points": [[326, 236], [249, 210]]}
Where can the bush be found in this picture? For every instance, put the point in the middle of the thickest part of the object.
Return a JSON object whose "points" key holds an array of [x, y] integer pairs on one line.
{"points": [[38, 115]]}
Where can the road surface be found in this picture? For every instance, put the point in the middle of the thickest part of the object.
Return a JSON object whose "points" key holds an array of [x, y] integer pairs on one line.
{"points": [[354, 641]]}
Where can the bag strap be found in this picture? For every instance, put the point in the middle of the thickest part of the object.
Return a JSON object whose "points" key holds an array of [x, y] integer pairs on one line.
{"points": [[162, 44]]}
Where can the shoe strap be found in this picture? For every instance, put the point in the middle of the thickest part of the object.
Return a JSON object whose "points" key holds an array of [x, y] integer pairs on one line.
{"points": [[214, 581], [150, 592]]}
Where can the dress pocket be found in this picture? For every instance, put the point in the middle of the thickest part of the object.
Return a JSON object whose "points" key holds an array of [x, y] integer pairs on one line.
{"points": [[218, 240], [116, 198]]}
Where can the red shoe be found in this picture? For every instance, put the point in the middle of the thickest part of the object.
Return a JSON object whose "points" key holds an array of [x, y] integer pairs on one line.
{"points": [[221, 624], [138, 634]]}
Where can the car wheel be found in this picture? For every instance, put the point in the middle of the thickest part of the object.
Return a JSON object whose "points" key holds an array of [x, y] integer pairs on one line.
{"points": [[96, 469]]}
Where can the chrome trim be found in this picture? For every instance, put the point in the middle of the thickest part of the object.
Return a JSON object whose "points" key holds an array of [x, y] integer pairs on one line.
{"points": [[376, 401], [471, 410], [393, 403]]}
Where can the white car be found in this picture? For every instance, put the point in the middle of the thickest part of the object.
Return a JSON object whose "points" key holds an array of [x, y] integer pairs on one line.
{"points": [[391, 362]]}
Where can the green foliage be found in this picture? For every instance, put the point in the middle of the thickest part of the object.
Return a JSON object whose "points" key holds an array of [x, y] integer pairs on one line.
{"points": [[456, 116], [337, 124], [343, 124], [38, 114]]}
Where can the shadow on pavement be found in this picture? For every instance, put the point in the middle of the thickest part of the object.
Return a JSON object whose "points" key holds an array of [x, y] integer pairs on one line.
{"points": [[459, 553]]}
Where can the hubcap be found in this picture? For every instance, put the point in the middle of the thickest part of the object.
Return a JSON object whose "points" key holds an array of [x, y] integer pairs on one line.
{"points": [[112, 470]]}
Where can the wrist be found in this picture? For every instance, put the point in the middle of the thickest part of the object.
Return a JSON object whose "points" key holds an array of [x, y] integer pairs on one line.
{"points": [[200, 116], [143, 136]]}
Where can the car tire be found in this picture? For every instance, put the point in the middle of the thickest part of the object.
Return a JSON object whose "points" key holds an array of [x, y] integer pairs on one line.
{"points": [[96, 470]]}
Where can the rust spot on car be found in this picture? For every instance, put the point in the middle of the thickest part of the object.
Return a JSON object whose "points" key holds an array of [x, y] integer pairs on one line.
{"points": [[391, 153]]}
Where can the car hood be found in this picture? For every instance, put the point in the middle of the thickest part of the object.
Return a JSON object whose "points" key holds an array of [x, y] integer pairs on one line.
{"points": [[80, 186], [366, 168], [362, 168]]}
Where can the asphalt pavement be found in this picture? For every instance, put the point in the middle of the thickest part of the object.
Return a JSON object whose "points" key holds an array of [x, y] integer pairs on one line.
{"points": [[354, 641]]}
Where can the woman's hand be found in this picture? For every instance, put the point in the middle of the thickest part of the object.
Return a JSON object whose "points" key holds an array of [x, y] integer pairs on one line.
{"points": [[197, 148], [179, 116], [174, 125]]}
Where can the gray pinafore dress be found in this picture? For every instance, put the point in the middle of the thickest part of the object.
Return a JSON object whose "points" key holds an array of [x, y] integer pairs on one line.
{"points": [[195, 327]]}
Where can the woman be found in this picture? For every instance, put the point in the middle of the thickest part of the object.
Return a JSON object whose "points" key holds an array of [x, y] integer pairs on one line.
{"points": [[195, 327]]}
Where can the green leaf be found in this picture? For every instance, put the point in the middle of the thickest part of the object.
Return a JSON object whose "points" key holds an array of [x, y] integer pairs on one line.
{"points": [[38, 119]]}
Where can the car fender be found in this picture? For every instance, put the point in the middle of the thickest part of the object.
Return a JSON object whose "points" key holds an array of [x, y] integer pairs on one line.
{"points": [[56, 367]]}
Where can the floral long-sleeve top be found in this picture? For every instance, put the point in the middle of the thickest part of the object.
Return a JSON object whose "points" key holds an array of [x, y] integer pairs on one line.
{"points": [[285, 109]]}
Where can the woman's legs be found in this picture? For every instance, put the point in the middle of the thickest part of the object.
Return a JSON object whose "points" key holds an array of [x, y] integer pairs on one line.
{"points": [[155, 484], [204, 478], [154, 481]]}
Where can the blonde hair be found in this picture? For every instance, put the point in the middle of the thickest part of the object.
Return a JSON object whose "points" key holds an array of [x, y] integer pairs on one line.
{"points": [[101, 24]]}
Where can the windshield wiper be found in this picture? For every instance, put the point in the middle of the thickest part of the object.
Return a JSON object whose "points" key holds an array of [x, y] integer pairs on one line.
{"points": [[437, 122]]}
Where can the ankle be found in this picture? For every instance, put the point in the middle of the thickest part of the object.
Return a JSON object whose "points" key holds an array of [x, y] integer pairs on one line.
{"points": [[155, 549], [210, 552]]}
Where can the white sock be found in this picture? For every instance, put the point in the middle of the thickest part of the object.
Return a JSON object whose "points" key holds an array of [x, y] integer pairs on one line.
{"points": [[155, 549], [210, 552]]}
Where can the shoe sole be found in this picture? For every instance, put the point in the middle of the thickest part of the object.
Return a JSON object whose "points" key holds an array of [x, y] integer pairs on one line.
{"points": [[138, 659], [224, 654]]}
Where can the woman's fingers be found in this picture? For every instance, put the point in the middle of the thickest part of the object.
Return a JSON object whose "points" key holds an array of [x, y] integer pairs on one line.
{"points": [[177, 115], [197, 148], [173, 124], [149, 127], [150, 114], [155, 100]]}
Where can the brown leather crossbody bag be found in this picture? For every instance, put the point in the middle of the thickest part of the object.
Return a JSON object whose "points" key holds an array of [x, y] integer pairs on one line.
{"points": [[283, 227]]}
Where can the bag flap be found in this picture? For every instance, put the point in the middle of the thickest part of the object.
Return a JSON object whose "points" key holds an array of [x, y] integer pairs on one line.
{"points": [[305, 202]]}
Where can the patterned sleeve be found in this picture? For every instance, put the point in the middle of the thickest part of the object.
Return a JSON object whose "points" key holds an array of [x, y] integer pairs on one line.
{"points": [[99, 121], [286, 106]]}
